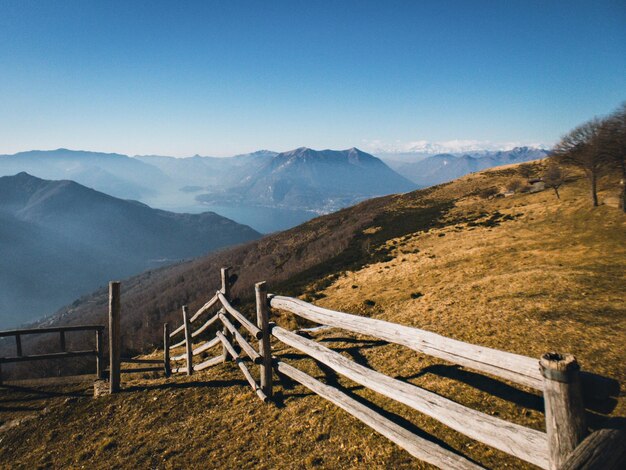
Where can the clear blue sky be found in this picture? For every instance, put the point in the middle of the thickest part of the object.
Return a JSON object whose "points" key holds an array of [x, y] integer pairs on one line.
{"points": [[218, 78]]}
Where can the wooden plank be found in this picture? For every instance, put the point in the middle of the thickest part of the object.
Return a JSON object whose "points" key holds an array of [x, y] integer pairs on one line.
{"points": [[565, 412], [206, 346], [100, 354], [243, 367], [176, 331], [204, 308], [114, 336], [524, 443], [54, 329], [188, 345], [247, 324], [57, 355], [62, 340], [166, 350], [247, 347], [418, 447], [225, 291], [265, 347], [178, 345], [604, 449], [514, 367], [208, 323], [210, 362], [18, 344]]}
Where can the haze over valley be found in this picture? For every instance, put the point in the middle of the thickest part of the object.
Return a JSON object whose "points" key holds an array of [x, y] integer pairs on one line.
{"points": [[60, 240]]}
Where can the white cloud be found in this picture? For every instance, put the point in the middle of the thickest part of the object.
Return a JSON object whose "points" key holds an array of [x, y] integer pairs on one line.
{"points": [[445, 146]]}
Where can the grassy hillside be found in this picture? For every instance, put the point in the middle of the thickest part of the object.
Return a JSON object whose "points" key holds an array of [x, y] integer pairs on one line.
{"points": [[525, 274]]}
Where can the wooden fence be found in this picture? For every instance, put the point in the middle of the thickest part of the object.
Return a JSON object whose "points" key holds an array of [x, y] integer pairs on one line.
{"points": [[63, 353], [231, 340], [565, 444]]}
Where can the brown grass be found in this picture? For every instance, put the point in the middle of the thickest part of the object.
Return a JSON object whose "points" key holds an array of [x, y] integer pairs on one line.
{"points": [[525, 274]]}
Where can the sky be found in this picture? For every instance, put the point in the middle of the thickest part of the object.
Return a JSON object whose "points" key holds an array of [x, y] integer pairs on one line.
{"points": [[221, 78]]}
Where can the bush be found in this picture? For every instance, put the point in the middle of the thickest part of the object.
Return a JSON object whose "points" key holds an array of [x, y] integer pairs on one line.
{"points": [[488, 192]]}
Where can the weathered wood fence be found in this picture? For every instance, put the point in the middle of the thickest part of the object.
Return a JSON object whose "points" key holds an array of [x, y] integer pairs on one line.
{"points": [[230, 339], [566, 442], [97, 351]]}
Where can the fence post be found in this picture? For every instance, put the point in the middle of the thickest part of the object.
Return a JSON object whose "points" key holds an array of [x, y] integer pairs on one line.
{"points": [[564, 409], [62, 340], [114, 336], [265, 347], [18, 344], [225, 275], [188, 345], [99, 354], [166, 350]]}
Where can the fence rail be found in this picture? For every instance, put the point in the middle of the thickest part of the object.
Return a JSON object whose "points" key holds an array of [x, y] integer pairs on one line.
{"points": [[63, 353], [557, 376], [566, 443], [232, 340]]}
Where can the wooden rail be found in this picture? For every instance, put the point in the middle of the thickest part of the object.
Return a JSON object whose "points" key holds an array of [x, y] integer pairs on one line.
{"points": [[565, 444], [63, 353], [519, 369], [557, 376], [228, 338], [418, 447], [524, 443]]}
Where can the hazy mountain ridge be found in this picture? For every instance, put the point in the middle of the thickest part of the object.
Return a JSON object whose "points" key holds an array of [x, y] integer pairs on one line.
{"points": [[322, 180], [112, 173], [60, 239], [445, 167]]}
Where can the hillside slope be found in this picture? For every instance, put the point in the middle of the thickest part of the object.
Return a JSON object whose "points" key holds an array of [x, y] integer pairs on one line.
{"points": [[59, 239], [525, 274]]}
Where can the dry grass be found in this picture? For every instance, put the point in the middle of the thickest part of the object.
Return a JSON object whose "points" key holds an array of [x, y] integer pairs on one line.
{"points": [[549, 277]]}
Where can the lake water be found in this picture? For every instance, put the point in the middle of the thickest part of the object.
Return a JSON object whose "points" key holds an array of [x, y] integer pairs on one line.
{"points": [[263, 219]]}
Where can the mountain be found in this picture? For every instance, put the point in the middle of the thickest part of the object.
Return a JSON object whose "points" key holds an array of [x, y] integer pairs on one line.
{"points": [[323, 180], [290, 187], [115, 174], [446, 167], [209, 172], [59, 239]]}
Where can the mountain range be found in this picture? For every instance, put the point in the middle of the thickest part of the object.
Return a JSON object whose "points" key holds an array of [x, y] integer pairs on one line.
{"points": [[59, 239], [321, 181], [301, 183], [441, 168]]}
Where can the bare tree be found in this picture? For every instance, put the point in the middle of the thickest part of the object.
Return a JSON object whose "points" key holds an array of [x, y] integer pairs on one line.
{"points": [[554, 177], [583, 148], [614, 139]]}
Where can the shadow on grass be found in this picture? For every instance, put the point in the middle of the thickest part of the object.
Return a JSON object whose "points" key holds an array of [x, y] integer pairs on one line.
{"points": [[486, 384], [35, 394], [186, 385], [331, 378]]}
